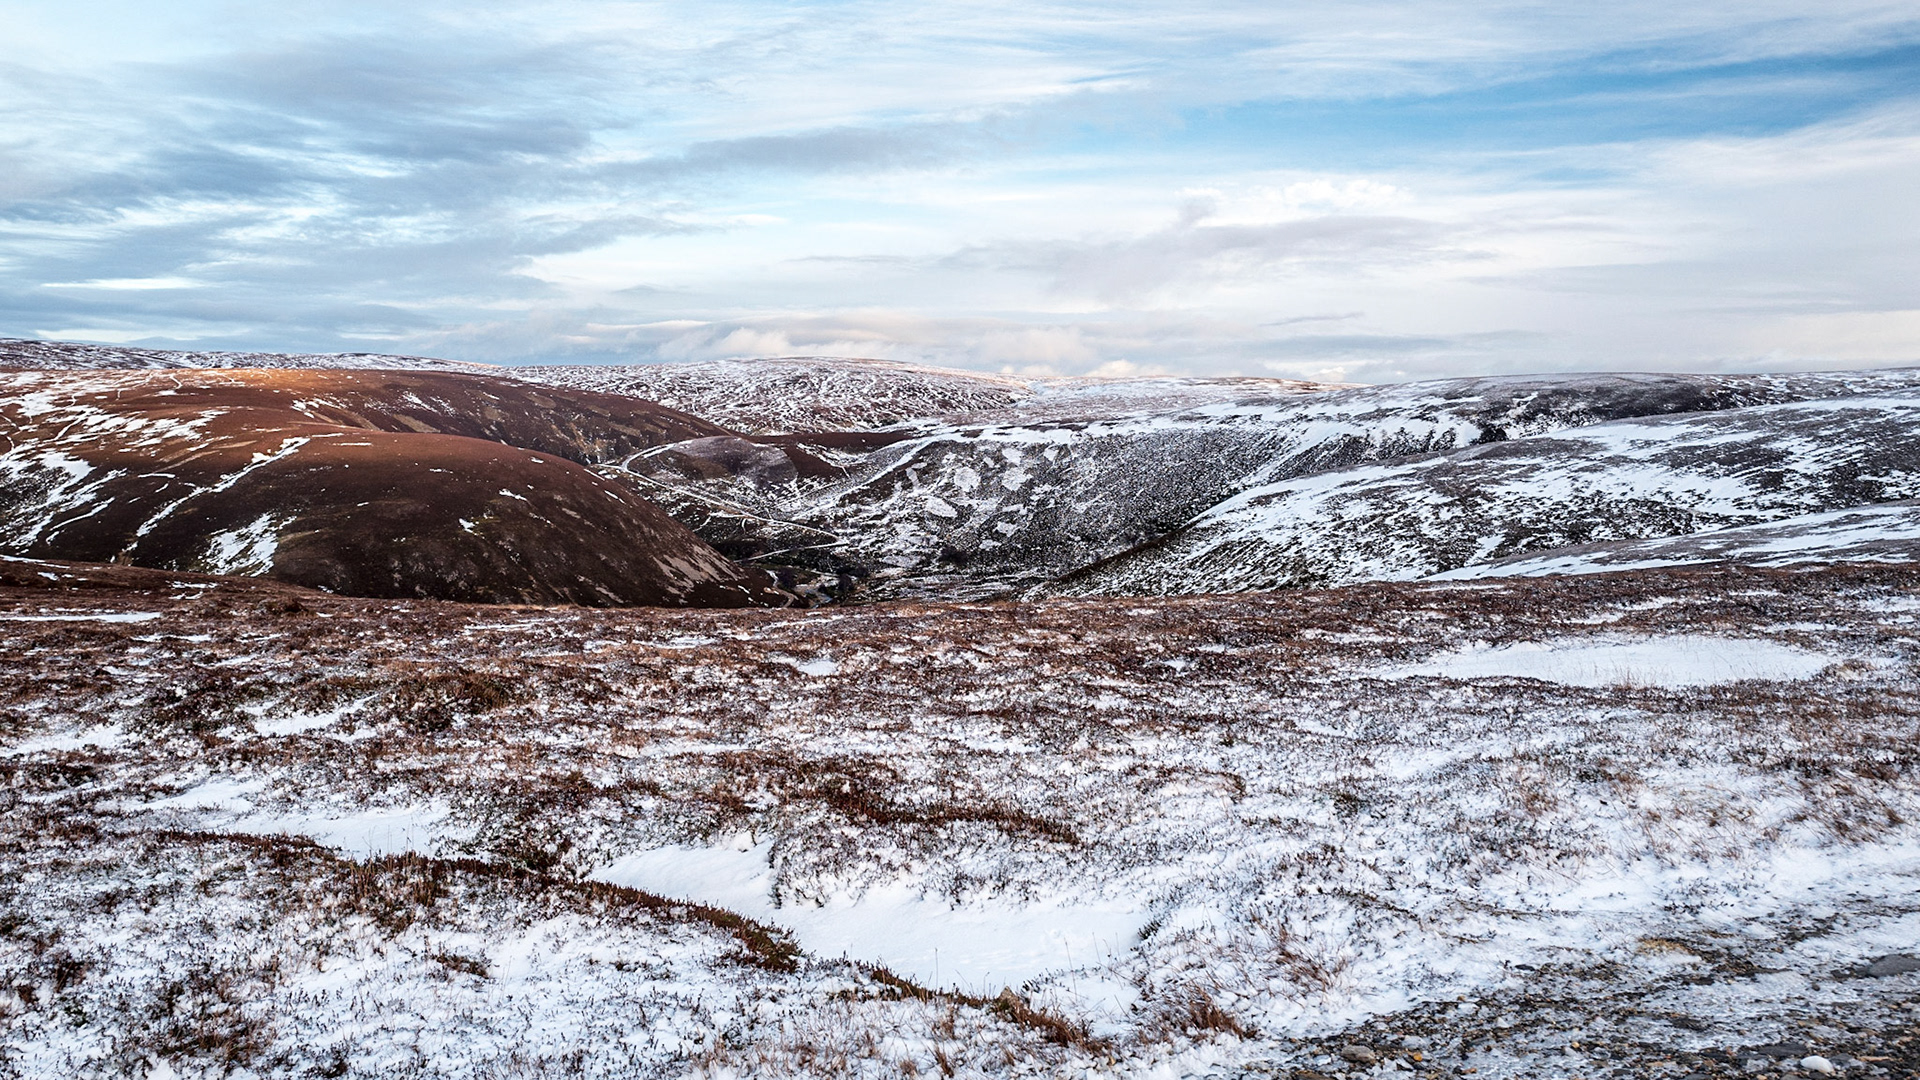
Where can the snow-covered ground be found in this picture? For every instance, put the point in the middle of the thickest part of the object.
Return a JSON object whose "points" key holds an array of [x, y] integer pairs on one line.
{"points": [[1589, 825], [1883, 532], [980, 946]]}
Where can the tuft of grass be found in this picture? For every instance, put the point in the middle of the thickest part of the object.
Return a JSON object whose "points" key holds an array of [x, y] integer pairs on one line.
{"points": [[1007, 1005], [466, 965], [197, 702], [433, 701], [1196, 1012]]}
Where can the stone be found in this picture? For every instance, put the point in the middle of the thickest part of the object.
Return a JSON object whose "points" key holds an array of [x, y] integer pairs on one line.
{"points": [[1891, 964], [1359, 1054]]}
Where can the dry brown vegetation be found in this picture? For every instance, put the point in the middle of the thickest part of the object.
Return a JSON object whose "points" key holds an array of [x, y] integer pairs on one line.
{"points": [[391, 484], [1240, 757]]}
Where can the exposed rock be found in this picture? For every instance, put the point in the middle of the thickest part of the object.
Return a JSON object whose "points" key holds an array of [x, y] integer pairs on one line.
{"points": [[1891, 964]]}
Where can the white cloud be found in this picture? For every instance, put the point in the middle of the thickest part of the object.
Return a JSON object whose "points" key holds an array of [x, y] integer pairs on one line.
{"points": [[708, 344], [1846, 337], [127, 284], [1068, 186]]}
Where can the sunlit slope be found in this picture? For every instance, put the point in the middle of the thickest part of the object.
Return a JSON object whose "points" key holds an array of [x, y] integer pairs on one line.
{"points": [[368, 483]]}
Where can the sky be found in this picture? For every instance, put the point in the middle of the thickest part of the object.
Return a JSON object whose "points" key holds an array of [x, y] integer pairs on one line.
{"points": [[1344, 191]]}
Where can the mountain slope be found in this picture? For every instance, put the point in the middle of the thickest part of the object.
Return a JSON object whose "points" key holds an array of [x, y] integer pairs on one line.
{"points": [[798, 394], [1627, 480], [870, 479], [376, 484], [33, 355], [779, 396], [984, 509], [1880, 532]]}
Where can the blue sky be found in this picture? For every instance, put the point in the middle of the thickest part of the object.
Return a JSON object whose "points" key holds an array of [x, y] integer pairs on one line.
{"points": [[1348, 191]]}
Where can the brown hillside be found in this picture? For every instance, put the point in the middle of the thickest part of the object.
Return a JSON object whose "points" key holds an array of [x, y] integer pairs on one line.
{"points": [[368, 483]]}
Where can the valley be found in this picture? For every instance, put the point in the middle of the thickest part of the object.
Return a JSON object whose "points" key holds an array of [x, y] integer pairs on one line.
{"points": [[386, 717]]}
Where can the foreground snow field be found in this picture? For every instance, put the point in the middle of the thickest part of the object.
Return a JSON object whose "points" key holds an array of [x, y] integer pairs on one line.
{"points": [[1656, 824]]}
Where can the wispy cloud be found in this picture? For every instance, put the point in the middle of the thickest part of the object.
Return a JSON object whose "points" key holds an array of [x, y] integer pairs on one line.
{"points": [[1062, 185], [1122, 270]]}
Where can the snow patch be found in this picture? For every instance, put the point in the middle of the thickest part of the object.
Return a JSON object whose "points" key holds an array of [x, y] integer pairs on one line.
{"points": [[980, 946], [229, 805], [296, 723], [246, 550], [1671, 661], [364, 834], [103, 735]]}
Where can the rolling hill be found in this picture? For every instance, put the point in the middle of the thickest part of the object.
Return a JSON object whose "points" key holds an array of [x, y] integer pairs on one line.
{"points": [[859, 479], [369, 483]]}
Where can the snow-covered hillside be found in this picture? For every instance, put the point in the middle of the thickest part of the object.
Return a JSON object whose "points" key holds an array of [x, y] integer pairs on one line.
{"points": [[34, 355], [985, 509], [1625, 480], [827, 393], [1882, 532], [368, 483], [776, 396]]}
